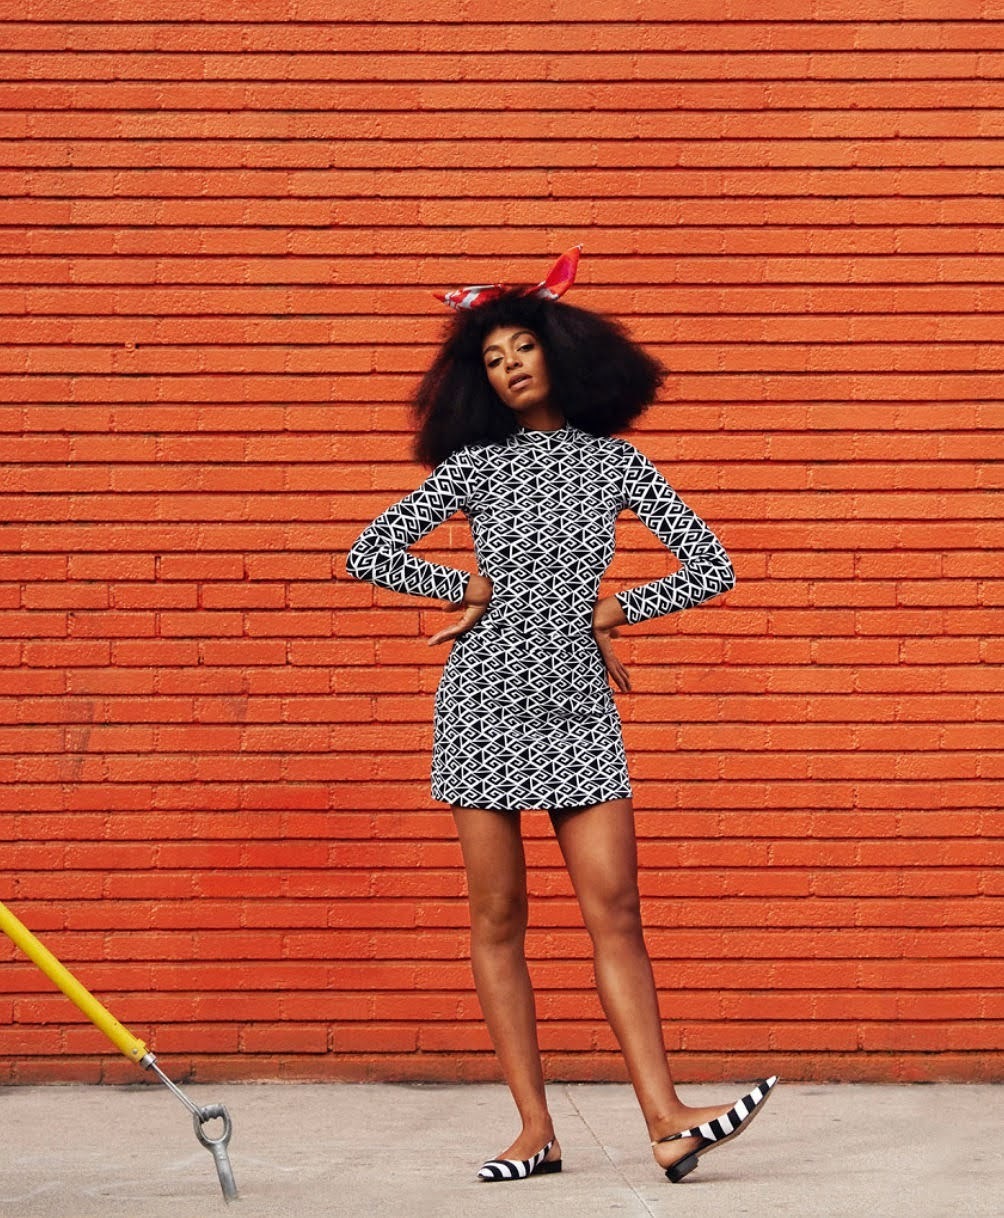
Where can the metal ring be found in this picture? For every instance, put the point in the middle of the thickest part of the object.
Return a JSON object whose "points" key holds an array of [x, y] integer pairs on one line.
{"points": [[218, 1146], [213, 1112]]}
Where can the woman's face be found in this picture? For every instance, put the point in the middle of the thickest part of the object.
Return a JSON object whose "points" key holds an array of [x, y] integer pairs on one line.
{"points": [[516, 368]]}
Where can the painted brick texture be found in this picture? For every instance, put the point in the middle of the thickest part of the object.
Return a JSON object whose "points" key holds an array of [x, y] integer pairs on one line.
{"points": [[220, 237]]}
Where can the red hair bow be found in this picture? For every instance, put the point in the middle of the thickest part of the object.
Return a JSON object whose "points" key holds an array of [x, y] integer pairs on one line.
{"points": [[559, 279]]}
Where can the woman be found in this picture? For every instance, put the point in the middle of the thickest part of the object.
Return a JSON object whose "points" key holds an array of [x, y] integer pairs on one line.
{"points": [[518, 411]]}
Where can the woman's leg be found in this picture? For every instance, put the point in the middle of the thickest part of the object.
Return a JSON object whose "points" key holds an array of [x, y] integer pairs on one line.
{"points": [[492, 846], [599, 847]]}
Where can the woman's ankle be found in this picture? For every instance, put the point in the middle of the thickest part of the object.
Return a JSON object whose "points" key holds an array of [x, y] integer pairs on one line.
{"points": [[540, 1127], [668, 1119]]}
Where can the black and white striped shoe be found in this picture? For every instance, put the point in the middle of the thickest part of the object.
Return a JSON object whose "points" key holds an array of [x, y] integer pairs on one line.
{"points": [[719, 1129], [519, 1169]]}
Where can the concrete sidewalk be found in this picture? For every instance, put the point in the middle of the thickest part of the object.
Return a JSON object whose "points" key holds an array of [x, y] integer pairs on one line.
{"points": [[409, 1151]]}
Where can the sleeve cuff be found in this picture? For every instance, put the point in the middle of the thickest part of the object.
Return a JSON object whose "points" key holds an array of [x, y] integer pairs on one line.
{"points": [[627, 604], [458, 590]]}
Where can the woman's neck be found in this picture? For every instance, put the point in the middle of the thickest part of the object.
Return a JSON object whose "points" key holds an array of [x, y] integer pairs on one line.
{"points": [[542, 419]]}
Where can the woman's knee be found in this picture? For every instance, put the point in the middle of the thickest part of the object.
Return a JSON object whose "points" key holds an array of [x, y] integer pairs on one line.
{"points": [[614, 914], [499, 918]]}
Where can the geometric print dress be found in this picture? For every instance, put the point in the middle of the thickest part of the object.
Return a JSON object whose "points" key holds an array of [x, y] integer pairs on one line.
{"points": [[524, 713]]}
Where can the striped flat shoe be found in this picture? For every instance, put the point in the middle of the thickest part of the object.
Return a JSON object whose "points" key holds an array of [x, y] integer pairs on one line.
{"points": [[720, 1129], [519, 1169]]}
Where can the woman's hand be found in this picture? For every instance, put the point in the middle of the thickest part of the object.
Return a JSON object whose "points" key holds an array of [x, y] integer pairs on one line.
{"points": [[475, 602], [607, 616]]}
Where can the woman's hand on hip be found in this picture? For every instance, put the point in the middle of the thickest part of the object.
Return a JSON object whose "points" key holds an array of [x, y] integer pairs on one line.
{"points": [[475, 602], [607, 616]]}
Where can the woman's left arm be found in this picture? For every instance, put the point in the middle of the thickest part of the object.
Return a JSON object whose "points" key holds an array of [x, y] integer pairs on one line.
{"points": [[707, 570]]}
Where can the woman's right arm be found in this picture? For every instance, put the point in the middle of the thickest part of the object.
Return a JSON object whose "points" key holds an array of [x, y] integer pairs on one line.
{"points": [[380, 553]]}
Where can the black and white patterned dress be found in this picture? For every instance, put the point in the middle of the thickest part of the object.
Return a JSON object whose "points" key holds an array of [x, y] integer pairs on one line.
{"points": [[524, 713]]}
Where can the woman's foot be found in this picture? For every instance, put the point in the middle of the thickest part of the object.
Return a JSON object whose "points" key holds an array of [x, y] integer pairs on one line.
{"points": [[719, 1125], [517, 1163], [668, 1153], [530, 1141]]}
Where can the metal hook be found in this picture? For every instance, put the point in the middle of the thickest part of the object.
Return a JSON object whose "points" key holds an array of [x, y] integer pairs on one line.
{"points": [[217, 1146], [124, 1041]]}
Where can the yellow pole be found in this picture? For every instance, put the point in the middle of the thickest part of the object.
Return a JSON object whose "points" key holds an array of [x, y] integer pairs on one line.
{"points": [[100, 1016]]}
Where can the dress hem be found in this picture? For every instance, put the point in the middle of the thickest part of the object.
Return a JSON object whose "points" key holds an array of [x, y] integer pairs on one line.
{"points": [[531, 806]]}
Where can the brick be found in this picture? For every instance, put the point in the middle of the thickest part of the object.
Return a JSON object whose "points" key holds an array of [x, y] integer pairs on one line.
{"points": [[243, 652], [33, 567], [288, 566], [195, 624], [111, 566], [244, 596], [154, 596], [112, 624], [31, 681], [34, 624], [209, 681], [189, 567], [65, 596], [292, 1038], [289, 622]]}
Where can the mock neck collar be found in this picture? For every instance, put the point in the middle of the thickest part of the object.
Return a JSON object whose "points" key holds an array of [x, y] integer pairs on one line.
{"points": [[537, 433]]}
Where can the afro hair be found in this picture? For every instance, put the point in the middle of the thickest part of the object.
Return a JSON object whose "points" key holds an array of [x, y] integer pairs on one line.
{"points": [[601, 379]]}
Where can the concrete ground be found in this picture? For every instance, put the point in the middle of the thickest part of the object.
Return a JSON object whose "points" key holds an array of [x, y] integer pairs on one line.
{"points": [[412, 1151]]}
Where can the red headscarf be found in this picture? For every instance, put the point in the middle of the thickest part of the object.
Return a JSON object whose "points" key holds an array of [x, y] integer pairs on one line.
{"points": [[559, 279]]}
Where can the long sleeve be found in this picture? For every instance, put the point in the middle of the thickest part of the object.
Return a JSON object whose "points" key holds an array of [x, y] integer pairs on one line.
{"points": [[380, 553], [706, 571]]}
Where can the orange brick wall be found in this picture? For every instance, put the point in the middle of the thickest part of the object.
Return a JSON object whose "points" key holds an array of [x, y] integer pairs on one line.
{"points": [[220, 238]]}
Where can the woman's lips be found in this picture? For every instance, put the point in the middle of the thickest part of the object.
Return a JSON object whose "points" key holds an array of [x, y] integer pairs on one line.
{"points": [[520, 383]]}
